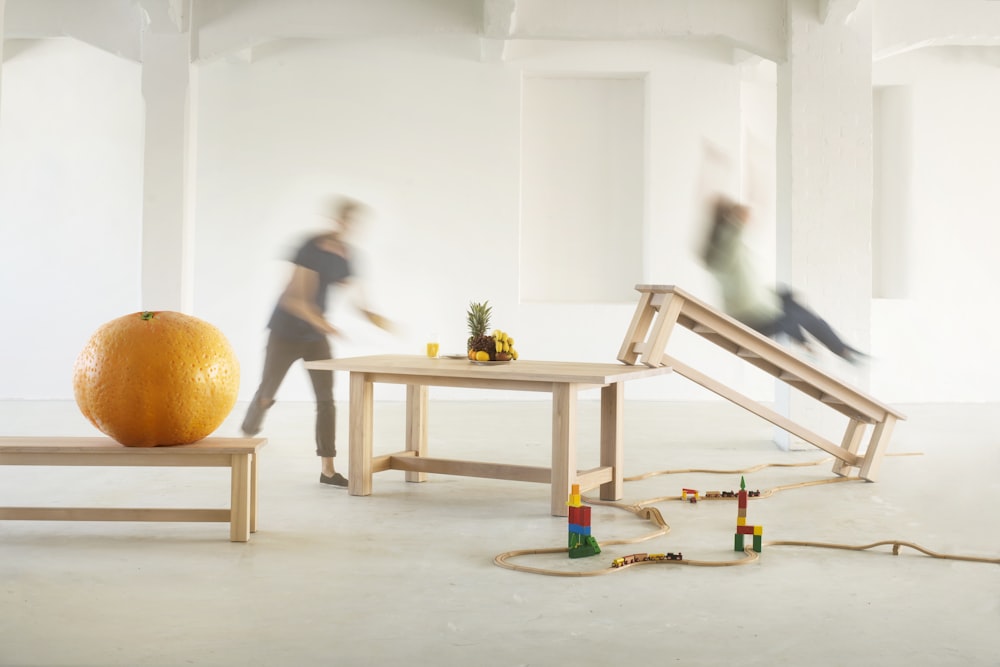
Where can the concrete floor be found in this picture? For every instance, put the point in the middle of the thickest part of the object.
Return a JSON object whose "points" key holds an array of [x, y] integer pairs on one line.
{"points": [[406, 576]]}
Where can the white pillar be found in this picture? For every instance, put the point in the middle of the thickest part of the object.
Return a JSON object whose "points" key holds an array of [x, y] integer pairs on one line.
{"points": [[166, 260], [2, 13], [825, 170]]}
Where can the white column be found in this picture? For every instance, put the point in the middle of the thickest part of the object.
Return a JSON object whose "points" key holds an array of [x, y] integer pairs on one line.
{"points": [[825, 170], [2, 13], [166, 260]]}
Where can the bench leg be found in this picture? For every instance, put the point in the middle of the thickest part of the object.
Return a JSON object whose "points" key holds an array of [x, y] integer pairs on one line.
{"points": [[239, 504], [876, 448], [253, 493], [852, 440], [637, 330], [657, 341]]}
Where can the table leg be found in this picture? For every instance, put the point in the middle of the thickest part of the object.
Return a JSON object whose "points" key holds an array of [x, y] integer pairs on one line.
{"points": [[416, 426], [612, 443], [563, 445], [239, 500], [360, 435]]}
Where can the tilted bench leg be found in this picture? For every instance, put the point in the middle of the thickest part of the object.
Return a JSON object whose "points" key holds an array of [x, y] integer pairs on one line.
{"points": [[852, 441], [876, 448], [636, 333], [657, 342]]}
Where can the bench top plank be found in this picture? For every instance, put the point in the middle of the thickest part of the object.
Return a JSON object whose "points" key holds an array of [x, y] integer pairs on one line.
{"points": [[103, 445], [773, 353]]}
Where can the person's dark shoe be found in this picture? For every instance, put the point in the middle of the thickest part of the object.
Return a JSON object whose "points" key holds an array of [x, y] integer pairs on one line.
{"points": [[336, 479], [855, 357]]}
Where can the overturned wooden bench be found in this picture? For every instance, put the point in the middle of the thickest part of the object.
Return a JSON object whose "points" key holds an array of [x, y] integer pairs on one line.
{"points": [[660, 307], [238, 454]]}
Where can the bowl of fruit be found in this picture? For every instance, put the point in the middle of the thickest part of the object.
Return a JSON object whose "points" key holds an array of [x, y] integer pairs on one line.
{"points": [[487, 348]]}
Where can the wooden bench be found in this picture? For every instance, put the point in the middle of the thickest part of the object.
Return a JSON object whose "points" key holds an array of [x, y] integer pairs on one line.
{"points": [[660, 307], [238, 454]]}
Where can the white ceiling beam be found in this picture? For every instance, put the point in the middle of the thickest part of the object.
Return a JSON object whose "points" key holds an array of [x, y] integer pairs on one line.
{"points": [[224, 26], [221, 27], [111, 25], [905, 25], [756, 26]]}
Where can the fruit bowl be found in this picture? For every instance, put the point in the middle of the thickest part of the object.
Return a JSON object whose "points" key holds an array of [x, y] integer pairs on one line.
{"points": [[485, 349]]}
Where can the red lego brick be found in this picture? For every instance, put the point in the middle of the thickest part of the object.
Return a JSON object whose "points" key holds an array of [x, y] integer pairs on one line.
{"points": [[575, 514]]}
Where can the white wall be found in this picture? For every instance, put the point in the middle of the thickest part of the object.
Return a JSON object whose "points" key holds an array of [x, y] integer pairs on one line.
{"points": [[419, 128], [428, 135], [583, 145], [939, 342], [70, 207]]}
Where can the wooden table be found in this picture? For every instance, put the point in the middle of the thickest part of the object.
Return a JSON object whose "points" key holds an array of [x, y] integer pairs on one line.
{"points": [[237, 454], [563, 380]]}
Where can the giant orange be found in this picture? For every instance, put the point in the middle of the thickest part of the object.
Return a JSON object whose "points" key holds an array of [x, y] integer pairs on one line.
{"points": [[156, 378]]}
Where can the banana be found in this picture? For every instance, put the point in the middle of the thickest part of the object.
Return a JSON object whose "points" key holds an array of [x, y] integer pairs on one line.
{"points": [[499, 346]]}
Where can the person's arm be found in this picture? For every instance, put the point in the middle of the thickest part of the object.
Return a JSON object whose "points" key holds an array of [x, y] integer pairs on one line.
{"points": [[297, 299], [360, 300]]}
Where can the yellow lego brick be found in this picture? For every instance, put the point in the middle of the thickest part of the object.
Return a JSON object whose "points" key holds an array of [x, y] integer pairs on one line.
{"points": [[741, 521], [758, 530]]}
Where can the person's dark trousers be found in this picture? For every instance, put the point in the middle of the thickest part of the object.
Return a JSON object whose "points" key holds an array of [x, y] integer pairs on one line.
{"points": [[281, 354], [795, 318]]}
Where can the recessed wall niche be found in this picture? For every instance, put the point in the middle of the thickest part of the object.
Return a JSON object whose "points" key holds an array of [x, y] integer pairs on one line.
{"points": [[582, 187]]}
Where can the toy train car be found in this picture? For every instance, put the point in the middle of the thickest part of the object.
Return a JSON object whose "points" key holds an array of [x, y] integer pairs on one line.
{"points": [[638, 558], [731, 494], [691, 495]]}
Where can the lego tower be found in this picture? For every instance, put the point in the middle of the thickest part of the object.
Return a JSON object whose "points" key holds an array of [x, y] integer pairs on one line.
{"points": [[581, 543], [741, 522]]}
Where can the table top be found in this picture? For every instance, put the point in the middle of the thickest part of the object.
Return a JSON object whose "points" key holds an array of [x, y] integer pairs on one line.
{"points": [[522, 370]]}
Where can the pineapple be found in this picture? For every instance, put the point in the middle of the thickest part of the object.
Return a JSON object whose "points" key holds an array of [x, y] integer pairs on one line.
{"points": [[478, 319]]}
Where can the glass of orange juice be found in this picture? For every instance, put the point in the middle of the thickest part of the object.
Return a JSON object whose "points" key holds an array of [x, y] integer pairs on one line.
{"points": [[432, 346]]}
